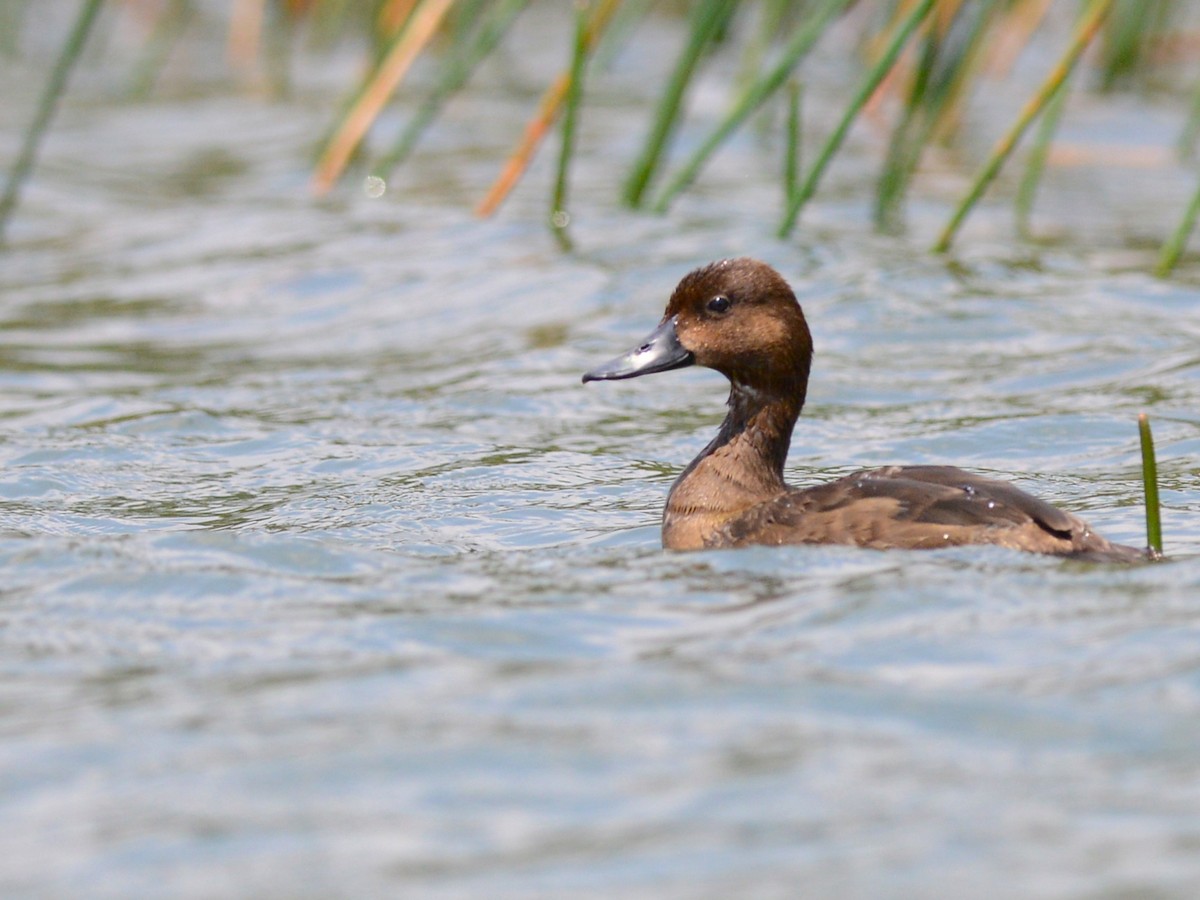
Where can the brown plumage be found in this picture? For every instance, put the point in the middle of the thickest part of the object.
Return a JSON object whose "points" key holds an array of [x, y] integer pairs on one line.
{"points": [[741, 318]]}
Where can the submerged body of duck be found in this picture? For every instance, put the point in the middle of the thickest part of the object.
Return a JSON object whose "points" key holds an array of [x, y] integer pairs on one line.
{"points": [[742, 319]]}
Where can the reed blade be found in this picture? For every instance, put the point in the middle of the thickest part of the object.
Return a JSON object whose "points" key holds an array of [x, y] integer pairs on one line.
{"points": [[1038, 155], [55, 84], [865, 89], [708, 18], [792, 146], [404, 49], [954, 45], [458, 70], [1150, 484], [1087, 28], [1127, 38], [1172, 248], [560, 218], [1191, 128], [753, 97], [904, 146], [548, 109]]}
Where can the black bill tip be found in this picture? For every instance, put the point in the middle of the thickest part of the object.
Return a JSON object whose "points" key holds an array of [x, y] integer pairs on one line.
{"points": [[659, 352]]}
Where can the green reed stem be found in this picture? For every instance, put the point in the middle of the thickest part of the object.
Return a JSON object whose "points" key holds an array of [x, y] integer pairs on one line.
{"points": [[1172, 248], [1085, 31], [45, 112], [946, 64], [753, 97], [462, 20], [1038, 154], [620, 29], [1127, 37], [1150, 483], [904, 147], [1191, 128], [708, 18], [459, 68], [771, 23], [791, 153], [861, 96], [560, 219]]}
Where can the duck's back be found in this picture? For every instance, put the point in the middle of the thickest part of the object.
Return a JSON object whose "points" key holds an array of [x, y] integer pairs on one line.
{"points": [[918, 507]]}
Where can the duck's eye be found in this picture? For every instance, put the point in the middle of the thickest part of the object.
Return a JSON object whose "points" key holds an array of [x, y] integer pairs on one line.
{"points": [[719, 304]]}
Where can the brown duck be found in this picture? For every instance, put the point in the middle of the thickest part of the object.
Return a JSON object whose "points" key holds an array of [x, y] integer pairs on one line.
{"points": [[740, 317]]}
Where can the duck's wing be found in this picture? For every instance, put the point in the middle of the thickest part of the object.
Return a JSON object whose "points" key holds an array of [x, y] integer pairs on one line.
{"points": [[921, 507]]}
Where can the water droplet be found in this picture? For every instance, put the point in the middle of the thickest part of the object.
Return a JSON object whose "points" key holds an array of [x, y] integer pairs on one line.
{"points": [[560, 218], [991, 504], [374, 187]]}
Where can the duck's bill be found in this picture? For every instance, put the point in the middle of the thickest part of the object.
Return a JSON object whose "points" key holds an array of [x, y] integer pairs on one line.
{"points": [[659, 352]]}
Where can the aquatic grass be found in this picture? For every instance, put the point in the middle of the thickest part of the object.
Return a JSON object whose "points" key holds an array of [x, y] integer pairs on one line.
{"points": [[926, 57], [807, 33], [472, 50], [1038, 153], [792, 145], [707, 19], [552, 100], [560, 217], [1172, 249], [1191, 128], [772, 22], [948, 58], [407, 44], [866, 88], [1150, 485], [1086, 29], [619, 31], [904, 147], [1126, 37], [393, 15], [57, 82]]}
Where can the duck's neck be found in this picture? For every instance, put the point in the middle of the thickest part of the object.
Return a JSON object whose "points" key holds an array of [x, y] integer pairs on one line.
{"points": [[742, 467]]}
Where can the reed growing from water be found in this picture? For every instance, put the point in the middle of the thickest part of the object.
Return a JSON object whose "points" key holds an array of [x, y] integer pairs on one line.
{"points": [[1150, 485], [921, 62], [55, 85], [560, 216]]}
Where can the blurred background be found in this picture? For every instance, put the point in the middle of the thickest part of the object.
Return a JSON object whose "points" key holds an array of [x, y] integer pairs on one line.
{"points": [[325, 576]]}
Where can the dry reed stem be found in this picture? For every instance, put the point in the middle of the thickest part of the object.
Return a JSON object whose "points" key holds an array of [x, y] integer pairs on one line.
{"points": [[535, 131], [900, 75], [391, 71], [943, 16], [393, 14], [1014, 35], [1086, 29], [245, 32]]}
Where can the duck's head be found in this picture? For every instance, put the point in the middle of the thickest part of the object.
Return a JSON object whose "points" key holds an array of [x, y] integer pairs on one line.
{"points": [[737, 316]]}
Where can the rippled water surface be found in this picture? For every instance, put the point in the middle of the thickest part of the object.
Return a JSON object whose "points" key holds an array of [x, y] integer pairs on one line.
{"points": [[325, 576]]}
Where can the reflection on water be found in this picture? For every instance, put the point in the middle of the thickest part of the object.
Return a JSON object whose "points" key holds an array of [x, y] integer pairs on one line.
{"points": [[324, 575]]}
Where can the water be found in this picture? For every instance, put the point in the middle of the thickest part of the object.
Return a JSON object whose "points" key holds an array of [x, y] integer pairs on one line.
{"points": [[325, 576]]}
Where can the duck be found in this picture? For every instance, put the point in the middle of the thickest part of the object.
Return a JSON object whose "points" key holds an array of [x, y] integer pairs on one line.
{"points": [[741, 318]]}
